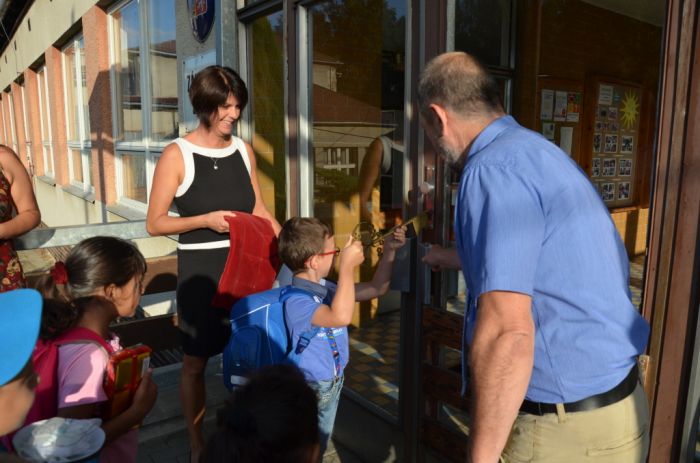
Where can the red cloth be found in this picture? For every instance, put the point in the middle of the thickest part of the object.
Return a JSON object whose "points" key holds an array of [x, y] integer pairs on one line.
{"points": [[252, 262]]}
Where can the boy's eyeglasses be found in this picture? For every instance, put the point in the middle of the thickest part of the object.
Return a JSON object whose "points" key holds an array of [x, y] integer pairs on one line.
{"points": [[335, 252]]}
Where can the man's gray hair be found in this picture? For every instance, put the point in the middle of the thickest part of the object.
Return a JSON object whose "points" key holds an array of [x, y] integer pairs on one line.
{"points": [[459, 82]]}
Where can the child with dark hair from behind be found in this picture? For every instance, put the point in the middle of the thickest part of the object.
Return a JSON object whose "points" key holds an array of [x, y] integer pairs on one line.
{"points": [[272, 418], [318, 321], [100, 281]]}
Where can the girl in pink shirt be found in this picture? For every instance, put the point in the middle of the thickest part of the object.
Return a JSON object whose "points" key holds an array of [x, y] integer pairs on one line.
{"points": [[100, 281]]}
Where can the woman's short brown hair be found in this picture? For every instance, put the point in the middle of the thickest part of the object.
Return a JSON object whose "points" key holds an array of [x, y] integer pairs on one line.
{"points": [[210, 89]]}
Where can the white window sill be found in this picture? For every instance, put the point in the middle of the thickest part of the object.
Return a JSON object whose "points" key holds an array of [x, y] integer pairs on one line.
{"points": [[126, 212], [46, 179], [88, 196]]}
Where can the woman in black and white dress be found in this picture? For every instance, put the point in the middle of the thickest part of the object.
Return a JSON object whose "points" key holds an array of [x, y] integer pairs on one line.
{"points": [[210, 175]]}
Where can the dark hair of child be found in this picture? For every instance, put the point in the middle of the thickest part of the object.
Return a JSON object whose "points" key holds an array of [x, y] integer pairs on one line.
{"points": [[210, 89], [301, 238], [272, 418], [92, 264]]}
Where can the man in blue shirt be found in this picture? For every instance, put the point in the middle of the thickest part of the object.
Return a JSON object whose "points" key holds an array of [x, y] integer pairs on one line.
{"points": [[552, 333]]}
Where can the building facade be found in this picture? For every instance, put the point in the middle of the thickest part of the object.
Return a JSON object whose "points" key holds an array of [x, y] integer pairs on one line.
{"points": [[93, 90]]}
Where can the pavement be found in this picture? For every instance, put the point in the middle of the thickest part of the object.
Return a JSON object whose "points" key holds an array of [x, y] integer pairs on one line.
{"points": [[163, 437]]}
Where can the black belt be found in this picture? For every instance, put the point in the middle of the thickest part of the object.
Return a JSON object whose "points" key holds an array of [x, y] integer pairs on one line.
{"points": [[619, 392]]}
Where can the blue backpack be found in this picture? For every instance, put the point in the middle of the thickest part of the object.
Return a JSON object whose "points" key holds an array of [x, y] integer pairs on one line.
{"points": [[259, 335]]}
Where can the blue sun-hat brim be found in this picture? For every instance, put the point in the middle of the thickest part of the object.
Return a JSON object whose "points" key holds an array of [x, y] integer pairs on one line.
{"points": [[20, 317]]}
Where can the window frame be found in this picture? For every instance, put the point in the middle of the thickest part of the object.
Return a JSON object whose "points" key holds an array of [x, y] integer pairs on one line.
{"points": [[4, 122], [150, 149], [27, 134], [83, 143], [13, 126], [46, 144]]}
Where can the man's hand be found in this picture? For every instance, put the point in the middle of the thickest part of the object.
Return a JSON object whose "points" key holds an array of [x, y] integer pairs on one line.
{"points": [[439, 258], [397, 239]]}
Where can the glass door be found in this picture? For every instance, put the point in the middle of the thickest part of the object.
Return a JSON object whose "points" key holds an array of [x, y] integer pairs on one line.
{"points": [[357, 164]]}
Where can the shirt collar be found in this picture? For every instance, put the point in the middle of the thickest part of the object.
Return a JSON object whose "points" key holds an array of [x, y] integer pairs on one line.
{"points": [[490, 133], [314, 288]]}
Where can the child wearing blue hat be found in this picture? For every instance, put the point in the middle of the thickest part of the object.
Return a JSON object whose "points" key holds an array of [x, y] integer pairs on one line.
{"points": [[20, 317]]}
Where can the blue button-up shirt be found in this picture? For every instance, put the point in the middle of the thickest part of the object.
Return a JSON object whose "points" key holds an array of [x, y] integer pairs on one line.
{"points": [[528, 220]]}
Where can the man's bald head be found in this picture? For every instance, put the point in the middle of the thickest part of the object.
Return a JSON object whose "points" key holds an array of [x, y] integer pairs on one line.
{"points": [[458, 81]]}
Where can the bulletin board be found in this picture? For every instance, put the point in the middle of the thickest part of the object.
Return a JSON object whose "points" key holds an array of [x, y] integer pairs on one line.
{"points": [[614, 122], [559, 113]]}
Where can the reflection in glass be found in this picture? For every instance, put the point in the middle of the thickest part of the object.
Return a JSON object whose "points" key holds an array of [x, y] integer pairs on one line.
{"points": [[77, 110], [267, 108], [483, 28], [163, 71], [358, 57], [134, 176], [128, 69], [11, 112], [47, 151], [71, 97], [77, 164], [83, 87]]}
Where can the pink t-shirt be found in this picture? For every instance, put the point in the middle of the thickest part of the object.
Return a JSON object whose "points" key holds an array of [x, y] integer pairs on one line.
{"points": [[80, 375]]}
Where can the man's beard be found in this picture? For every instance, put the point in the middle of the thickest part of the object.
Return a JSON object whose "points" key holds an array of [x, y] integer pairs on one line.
{"points": [[451, 156]]}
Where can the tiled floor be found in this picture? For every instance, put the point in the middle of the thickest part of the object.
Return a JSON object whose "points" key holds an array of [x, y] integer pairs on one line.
{"points": [[373, 371]]}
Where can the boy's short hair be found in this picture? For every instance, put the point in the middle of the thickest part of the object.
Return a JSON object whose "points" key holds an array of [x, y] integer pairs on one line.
{"points": [[301, 238]]}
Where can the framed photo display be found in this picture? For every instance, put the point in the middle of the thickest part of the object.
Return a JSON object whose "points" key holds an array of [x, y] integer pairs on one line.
{"points": [[614, 123]]}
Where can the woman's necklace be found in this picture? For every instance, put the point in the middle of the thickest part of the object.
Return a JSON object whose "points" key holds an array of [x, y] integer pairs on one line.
{"points": [[215, 160]]}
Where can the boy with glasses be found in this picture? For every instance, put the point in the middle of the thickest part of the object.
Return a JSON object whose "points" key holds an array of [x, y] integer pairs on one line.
{"points": [[307, 247]]}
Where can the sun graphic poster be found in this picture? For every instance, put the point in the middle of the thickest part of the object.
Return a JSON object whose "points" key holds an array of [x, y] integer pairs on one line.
{"points": [[630, 110], [615, 140]]}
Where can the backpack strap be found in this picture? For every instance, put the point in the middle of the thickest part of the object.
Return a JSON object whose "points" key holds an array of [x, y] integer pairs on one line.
{"points": [[306, 336], [79, 334]]}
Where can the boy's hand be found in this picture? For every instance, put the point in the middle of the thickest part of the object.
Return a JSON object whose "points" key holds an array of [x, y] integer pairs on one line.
{"points": [[352, 254], [397, 239]]}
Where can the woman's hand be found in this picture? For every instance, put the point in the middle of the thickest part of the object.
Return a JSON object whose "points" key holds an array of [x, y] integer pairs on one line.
{"points": [[216, 220]]}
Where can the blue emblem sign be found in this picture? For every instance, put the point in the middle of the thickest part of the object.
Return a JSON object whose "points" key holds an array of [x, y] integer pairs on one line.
{"points": [[201, 17]]}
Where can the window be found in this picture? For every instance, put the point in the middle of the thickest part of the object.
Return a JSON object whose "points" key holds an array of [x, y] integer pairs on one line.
{"points": [[44, 116], [27, 131], [145, 91], [77, 114], [266, 90], [4, 120], [11, 112], [356, 71], [483, 28]]}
